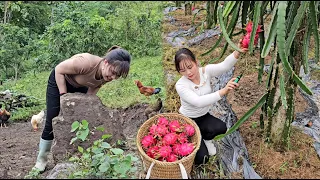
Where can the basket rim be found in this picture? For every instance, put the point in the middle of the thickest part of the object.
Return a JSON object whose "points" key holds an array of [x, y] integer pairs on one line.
{"points": [[197, 131]]}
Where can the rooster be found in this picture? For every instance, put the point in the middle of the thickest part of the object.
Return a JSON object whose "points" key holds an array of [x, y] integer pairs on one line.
{"points": [[146, 90], [4, 117], [36, 120]]}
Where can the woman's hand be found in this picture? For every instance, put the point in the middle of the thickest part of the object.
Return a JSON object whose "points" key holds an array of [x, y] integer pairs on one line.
{"points": [[230, 86], [243, 50]]}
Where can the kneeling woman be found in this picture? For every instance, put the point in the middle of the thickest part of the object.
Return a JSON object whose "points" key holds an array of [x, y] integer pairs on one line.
{"points": [[196, 96]]}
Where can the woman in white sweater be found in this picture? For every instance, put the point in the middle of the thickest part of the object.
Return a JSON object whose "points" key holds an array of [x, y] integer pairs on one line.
{"points": [[196, 95]]}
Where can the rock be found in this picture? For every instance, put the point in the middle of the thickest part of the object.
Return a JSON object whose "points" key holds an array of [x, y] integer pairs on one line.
{"points": [[61, 171], [78, 107]]}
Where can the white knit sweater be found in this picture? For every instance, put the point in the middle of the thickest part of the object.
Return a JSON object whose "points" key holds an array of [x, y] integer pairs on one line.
{"points": [[197, 98]]}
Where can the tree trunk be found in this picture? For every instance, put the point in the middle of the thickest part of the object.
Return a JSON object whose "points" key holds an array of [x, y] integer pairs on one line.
{"points": [[6, 4]]}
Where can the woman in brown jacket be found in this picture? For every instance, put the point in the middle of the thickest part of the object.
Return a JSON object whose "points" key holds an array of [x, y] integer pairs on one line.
{"points": [[84, 73]]}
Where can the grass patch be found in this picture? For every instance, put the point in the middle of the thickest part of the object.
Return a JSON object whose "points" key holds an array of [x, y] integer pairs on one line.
{"points": [[124, 93], [120, 93]]}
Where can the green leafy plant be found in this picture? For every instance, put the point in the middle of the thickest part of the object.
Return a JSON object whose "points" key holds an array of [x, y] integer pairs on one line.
{"points": [[101, 160], [33, 174], [83, 130]]}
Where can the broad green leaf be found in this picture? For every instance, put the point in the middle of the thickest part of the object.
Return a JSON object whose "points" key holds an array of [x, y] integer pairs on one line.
{"points": [[256, 16], [314, 22], [116, 151], [295, 25], [228, 8], [85, 124], [83, 134], [271, 33], [282, 88], [104, 167], [105, 145], [224, 31], [123, 167], [75, 126], [80, 149], [106, 136], [243, 118], [100, 128]]}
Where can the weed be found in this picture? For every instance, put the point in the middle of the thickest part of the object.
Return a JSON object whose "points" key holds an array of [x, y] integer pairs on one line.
{"points": [[101, 160]]}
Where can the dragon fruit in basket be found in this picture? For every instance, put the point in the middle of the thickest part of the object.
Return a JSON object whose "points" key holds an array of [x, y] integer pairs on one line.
{"points": [[168, 141]]}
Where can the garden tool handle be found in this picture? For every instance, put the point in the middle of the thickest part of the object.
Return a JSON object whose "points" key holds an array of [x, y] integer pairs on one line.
{"points": [[182, 170]]}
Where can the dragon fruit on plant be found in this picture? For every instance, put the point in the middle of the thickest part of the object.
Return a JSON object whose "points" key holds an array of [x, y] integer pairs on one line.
{"points": [[246, 39]]}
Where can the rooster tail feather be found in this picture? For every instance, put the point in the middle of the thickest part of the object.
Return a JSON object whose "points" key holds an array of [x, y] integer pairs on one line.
{"points": [[156, 90]]}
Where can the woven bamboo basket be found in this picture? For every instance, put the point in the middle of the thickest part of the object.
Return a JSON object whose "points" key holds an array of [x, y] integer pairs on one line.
{"points": [[168, 170]]}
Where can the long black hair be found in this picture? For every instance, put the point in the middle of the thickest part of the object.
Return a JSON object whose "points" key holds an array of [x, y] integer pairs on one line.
{"points": [[183, 54], [120, 59]]}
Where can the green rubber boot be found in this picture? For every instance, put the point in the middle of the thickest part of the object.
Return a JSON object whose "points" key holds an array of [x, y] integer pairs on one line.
{"points": [[42, 159]]}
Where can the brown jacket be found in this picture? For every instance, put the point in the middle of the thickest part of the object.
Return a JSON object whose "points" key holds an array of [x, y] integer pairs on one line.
{"points": [[86, 66]]}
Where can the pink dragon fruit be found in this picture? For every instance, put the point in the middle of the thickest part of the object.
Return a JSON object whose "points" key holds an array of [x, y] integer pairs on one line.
{"points": [[152, 129], [170, 138], [172, 158], [147, 141], [161, 130], [186, 149], [189, 129], [182, 138], [176, 149], [165, 151], [174, 126], [163, 121], [246, 39], [153, 152]]}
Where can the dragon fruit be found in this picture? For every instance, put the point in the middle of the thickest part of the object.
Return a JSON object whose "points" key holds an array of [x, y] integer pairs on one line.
{"points": [[161, 130], [185, 149], [174, 126], [147, 141], [176, 148], [246, 39], [165, 151], [170, 138], [182, 138], [172, 158], [153, 152], [163, 121], [152, 129], [189, 129]]}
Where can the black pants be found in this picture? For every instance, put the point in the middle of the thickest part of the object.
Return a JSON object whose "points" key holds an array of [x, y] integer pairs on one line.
{"points": [[210, 127], [53, 103]]}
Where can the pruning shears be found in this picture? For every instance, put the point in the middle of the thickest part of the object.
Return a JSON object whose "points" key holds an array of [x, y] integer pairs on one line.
{"points": [[238, 78]]}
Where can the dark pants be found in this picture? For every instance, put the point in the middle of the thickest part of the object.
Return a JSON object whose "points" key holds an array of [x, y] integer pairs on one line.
{"points": [[53, 103], [210, 127]]}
